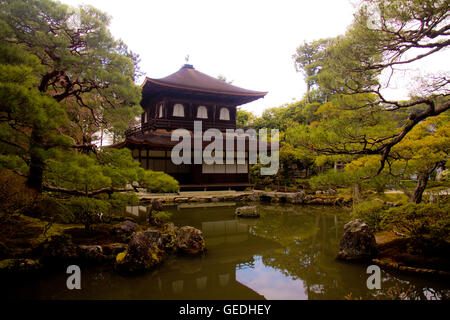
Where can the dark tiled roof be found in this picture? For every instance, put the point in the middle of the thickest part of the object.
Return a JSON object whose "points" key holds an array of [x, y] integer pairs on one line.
{"points": [[189, 78]]}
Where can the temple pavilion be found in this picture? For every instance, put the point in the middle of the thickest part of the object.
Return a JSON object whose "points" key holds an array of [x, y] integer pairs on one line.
{"points": [[176, 101]]}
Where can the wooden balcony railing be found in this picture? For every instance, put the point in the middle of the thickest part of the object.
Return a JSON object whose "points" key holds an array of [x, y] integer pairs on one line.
{"points": [[177, 124]]}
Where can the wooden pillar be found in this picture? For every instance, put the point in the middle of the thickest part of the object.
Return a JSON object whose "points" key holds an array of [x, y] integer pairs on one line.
{"points": [[166, 106], [139, 156]]}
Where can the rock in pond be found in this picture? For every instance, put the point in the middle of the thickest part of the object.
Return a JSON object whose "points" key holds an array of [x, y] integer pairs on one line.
{"points": [[125, 230], [91, 253], [142, 253], [113, 248], [169, 237], [189, 240], [155, 236], [358, 242], [247, 212]]}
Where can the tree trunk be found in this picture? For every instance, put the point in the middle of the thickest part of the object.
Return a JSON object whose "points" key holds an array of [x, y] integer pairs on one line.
{"points": [[356, 193], [422, 181], [36, 174], [308, 88]]}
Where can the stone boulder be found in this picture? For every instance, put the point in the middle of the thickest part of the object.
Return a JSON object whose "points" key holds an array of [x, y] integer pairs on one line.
{"points": [[125, 230], [253, 197], [156, 205], [142, 253], [169, 237], [189, 240], [59, 249], [358, 242], [19, 265], [155, 236], [91, 253], [112, 249], [247, 212]]}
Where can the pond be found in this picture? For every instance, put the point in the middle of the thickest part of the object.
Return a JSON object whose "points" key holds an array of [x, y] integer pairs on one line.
{"points": [[288, 253]]}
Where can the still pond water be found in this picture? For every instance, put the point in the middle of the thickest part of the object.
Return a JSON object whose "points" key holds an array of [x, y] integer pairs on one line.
{"points": [[288, 253]]}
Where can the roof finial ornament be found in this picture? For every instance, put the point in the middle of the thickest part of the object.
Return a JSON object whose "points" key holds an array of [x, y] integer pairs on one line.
{"points": [[187, 65]]}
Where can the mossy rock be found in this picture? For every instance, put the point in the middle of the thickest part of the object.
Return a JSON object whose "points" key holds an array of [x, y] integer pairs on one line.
{"points": [[19, 265], [24, 236], [190, 240], [121, 257], [142, 254]]}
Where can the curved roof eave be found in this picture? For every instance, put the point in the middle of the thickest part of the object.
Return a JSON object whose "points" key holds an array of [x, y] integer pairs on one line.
{"points": [[177, 86]]}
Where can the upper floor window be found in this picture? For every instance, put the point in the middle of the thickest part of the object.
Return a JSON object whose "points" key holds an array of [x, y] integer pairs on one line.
{"points": [[202, 112], [224, 114], [161, 111], [178, 110]]}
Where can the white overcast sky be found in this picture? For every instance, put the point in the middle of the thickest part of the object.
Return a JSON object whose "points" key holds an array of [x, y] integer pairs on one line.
{"points": [[248, 42]]}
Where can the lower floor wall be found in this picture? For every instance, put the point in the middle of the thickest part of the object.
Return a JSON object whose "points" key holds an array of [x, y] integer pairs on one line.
{"points": [[220, 175]]}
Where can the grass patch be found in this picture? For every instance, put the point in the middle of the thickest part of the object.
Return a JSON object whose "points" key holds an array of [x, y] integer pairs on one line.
{"points": [[388, 197], [20, 235]]}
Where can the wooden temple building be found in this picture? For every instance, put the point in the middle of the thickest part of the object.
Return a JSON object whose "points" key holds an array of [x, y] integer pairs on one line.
{"points": [[176, 101]]}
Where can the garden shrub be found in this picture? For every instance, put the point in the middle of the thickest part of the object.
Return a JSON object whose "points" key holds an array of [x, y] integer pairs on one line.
{"points": [[15, 196], [159, 182], [119, 200], [161, 217], [88, 211], [330, 179], [371, 212], [445, 176], [52, 209], [428, 224]]}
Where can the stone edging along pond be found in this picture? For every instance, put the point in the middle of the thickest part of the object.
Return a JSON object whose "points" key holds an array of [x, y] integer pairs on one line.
{"points": [[300, 197], [392, 265]]}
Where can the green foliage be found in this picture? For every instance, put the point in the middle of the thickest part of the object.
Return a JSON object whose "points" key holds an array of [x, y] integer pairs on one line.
{"points": [[63, 77], [120, 200], [161, 217], [156, 181], [244, 119], [53, 210], [426, 147], [445, 176], [15, 196], [355, 122], [428, 224], [330, 179], [308, 60], [24, 108], [109, 168], [88, 211], [81, 209], [285, 116], [371, 212]]}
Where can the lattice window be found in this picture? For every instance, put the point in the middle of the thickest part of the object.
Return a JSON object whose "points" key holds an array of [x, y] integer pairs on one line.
{"points": [[224, 114], [202, 112], [178, 110]]}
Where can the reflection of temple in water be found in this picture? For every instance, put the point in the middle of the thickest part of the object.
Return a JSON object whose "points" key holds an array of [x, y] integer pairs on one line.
{"points": [[237, 265], [230, 248]]}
